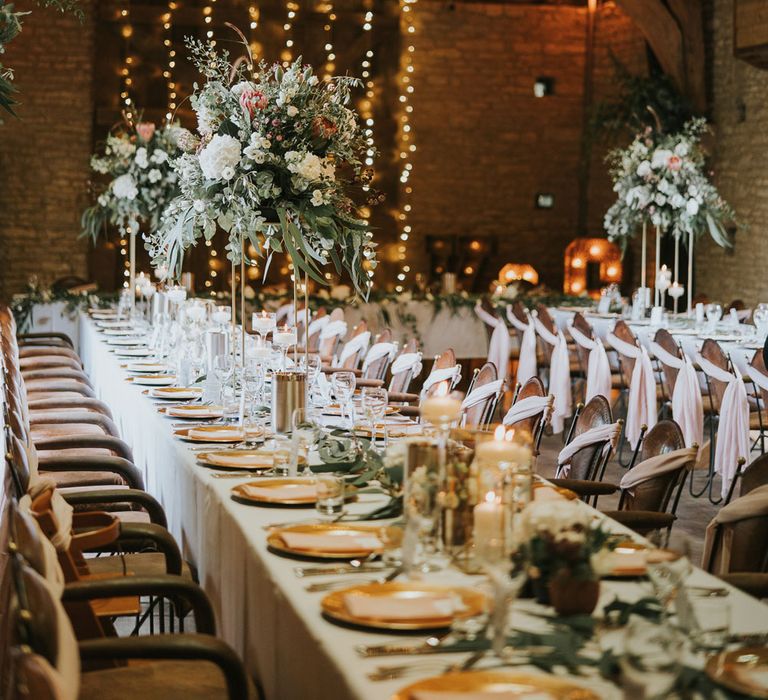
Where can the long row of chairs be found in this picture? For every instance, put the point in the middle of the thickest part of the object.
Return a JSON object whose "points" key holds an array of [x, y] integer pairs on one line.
{"points": [[86, 553]]}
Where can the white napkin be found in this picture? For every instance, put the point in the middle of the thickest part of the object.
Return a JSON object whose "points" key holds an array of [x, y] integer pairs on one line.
{"points": [[397, 608]]}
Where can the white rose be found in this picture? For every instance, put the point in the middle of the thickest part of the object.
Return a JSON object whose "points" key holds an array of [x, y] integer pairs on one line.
{"points": [[199, 206], [124, 187], [222, 153], [155, 175], [660, 158], [681, 150], [141, 157], [292, 111], [692, 207], [159, 156], [660, 199], [677, 201], [317, 198], [644, 169]]}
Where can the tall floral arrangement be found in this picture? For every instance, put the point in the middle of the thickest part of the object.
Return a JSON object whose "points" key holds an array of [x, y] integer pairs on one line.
{"points": [[136, 160], [661, 179], [277, 160]]}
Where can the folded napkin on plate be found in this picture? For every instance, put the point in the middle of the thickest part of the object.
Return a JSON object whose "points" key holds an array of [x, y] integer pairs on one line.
{"points": [[245, 460], [281, 493], [547, 493], [394, 608], [607, 563], [196, 411], [482, 695], [755, 676], [347, 542], [219, 434]]}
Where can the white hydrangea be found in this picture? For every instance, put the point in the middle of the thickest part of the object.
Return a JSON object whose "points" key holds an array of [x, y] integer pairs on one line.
{"points": [[309, 166], [221, 154], [124, 187], [155, 175], [141, 157], [159, 156]]}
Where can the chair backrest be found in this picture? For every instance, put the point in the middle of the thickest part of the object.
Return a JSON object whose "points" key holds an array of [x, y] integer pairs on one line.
{"points": [[480, 413], [758, 363], [353, 361], [583, 326], [518, 311], [664, 339], [487, 306], [655, 494], [535, 424], [586, 462], [623, 332], [754, 476], [711, 350], [327, 348], [400, 382], [546, 320], [444, 360], [377, 369], [314, 338]]}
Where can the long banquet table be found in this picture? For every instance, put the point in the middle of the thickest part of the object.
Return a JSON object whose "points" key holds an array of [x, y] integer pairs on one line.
{"points": [[261, 607]]}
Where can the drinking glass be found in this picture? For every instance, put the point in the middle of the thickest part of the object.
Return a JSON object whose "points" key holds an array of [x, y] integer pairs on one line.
{"points": [[281, 461], [304, 434], [651, 660], [343, 387], [669, 566], [710, 623], [222, 316], [264, 322], [253, 429], [714, 314], [312, 365], [330, 495], [374, 403], [253, 382], [284, 337], [760, 318]]}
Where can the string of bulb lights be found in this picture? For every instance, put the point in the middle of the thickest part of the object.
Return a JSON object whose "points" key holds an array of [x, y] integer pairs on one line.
{"points": [[126, 83], [406, 139], [291, 8], [167, 20], [330, 56]]}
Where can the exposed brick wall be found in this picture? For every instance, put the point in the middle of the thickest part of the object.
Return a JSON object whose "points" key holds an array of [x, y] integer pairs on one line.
{"points": [[741, 150], [486, 145], [44, 154]]}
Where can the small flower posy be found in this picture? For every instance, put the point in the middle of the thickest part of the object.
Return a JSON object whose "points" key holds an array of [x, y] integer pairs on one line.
{"points": [[660, 179], [138, 161], [277, 157]]}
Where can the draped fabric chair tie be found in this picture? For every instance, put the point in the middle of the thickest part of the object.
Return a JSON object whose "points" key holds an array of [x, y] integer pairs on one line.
{"points": [[526, 364], [452, 374], [284, 315], [499, 345], [407, 361], [358, 344], [609, 434], [656, 466], [63, 511], [687, 408], [324, 388], [598, 367], [377, 351], [733, 428], [641, 405], [318, 324], [482, 393], [333, 329], [528, 408], [559, 374]]}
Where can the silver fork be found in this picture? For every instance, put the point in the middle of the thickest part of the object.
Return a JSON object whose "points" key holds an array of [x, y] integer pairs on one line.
{"points": [[341, 583], [385, 673]]}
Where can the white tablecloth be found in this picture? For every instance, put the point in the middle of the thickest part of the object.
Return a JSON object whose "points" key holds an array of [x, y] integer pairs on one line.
{"points": [[261, 607], [57, 318]]}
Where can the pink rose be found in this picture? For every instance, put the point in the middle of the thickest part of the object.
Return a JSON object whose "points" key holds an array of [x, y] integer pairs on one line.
{"points": [[145, 130], [251, 100], [674, 163]]}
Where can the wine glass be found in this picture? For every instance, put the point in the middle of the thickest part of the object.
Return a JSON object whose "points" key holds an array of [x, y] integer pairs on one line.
{"points": [[343, 387], [374, 403], [253, 430], [312, 365], [760, 318], [253, 382], [304, 434], [284, 337], [714, 313], [223, 369], [264, 322]]}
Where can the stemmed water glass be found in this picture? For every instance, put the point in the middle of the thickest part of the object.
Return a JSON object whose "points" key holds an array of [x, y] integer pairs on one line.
{"points": [[304, 434], [253, 382], [264, 322], [760, 318], [669, 566], [650, 663], [312, 365], [714, 313], [284, 337], [374, 403], [223, 368], [343, 387]]}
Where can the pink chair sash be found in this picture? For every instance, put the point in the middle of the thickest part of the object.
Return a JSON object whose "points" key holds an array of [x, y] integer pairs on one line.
{"points": [[526, 365], [641, 405], [687, 408], [499, 346], [598, 367], [559, 374], [733, 428]]}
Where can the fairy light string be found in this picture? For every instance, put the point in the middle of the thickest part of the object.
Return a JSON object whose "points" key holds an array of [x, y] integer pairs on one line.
{"points": [[167, 20]]}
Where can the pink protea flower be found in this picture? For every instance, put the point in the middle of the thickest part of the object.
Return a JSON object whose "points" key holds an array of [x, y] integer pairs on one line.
{"points": [[145, 130], [251, 100], [675, 163]]}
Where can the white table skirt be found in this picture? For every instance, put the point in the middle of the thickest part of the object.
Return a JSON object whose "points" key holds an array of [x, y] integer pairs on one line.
{"points": [[55, 317], [261, 607]]}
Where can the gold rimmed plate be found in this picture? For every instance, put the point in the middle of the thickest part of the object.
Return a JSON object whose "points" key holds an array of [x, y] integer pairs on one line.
{"points": [[277, 492], [127, 342], [192, 411], [512, 685], [119, 332], [334, 409], [248, 460], [175, 393], [210, 433], [744, 670], [403, 607], [326, 541], [134, 352], [153, 379], [147, 367]]}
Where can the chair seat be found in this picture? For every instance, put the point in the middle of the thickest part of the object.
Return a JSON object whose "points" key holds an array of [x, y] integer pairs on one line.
{"points": [[48, 430], [157, 680], [586, 488], [141, 564], [82, 480]]}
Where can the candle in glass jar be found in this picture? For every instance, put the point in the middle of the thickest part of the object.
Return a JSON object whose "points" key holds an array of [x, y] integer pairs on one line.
{"points": [[263, 322], [488, 520], [222, 315], [196, 312], [500, 450], [440, 408], [284, 336]]}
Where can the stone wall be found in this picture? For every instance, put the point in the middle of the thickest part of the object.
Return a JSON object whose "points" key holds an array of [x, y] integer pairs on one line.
{"points": [[44, 153], [740, 118]]}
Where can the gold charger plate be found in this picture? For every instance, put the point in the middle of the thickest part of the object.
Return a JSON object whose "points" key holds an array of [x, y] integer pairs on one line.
{"points": [[335, 608], [521, 684], [174, 393], [210, 434], [732, 670], [217, 459], [565, 493], [193, 411], [241, 493], [276, 542], [152, 379]]}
